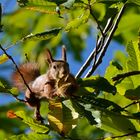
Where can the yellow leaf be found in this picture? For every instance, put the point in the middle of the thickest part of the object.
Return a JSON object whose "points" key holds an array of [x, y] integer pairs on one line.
{"points": [[60, 117], [3, 58]]}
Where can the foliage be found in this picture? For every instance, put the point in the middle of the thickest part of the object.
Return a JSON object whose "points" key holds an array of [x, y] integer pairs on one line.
{"points": [[104, 107]]}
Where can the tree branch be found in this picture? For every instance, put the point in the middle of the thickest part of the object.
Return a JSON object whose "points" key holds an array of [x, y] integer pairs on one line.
{"points": [[98, 25], [91, 56], [133, 103], [106, 44], [124, 75], [10, 57]]}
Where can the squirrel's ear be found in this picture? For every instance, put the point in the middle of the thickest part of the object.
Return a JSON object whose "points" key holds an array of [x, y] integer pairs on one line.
{"points": [[49, 57], [64, 55]]}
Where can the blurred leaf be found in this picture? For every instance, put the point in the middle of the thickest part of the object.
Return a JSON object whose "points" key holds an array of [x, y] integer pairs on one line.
{"points": [[4, 87], [42, 5], [43, 35], [34, 125], [58, 2], [30, 136], [60, 117], [137, 2], [128, 26], [78, 21], [98, 83], [3, 58], [69, 3]]}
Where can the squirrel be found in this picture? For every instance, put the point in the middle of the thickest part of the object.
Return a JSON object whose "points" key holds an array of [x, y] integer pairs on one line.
{"points": [[56, 82]]}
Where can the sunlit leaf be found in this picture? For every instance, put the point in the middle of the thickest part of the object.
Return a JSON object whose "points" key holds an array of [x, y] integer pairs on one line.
{"points": [[60, 117], [134, 56], [78, 21], [43, 35], [116, 124], [7, 89], [34, 125], [3, 58]]}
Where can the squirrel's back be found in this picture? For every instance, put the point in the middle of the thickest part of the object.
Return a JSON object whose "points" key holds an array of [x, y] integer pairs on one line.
{"points": [[30, 72]]}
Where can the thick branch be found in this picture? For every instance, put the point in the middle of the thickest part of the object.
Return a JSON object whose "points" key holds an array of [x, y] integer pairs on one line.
{"points": [[106, 44]]}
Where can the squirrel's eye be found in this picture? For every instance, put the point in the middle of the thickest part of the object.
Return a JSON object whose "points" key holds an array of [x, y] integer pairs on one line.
{"points": [[54, 67]]}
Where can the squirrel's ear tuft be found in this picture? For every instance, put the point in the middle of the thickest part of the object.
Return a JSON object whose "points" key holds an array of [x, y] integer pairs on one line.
{"points": [[64, 55], [49, 57]]}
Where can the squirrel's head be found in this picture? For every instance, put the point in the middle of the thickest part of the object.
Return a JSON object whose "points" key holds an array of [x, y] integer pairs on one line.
{"points": [[58, 68]]}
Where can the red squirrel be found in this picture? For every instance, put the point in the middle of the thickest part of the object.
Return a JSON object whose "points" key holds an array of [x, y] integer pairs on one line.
{"points": [[56, 82]]}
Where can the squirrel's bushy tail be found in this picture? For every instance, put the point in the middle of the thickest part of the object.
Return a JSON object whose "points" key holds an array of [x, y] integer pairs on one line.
{"points": [[30, 72]]}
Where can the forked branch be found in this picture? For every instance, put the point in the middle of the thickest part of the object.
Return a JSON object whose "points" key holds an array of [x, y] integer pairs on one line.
{"points": [[101, 45]]}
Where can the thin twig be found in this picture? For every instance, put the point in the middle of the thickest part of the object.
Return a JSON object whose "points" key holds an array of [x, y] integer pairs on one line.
{"points": [[106, 44], [133, 103], [20, 100], [91, 56], [10, 57], [98, 25], [124, 75]]}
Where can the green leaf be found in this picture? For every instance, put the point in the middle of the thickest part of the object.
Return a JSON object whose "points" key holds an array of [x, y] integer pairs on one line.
{"points": [[98, 83], [137, 2], [83, 112], [109, 1], [133, 50], [43, 35], [116, 124], [78, 21], [7, 89], [30, 136], [14, 91], [34, 125], [99, 103], [58, 2], [3, 58], [133, 94]]}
